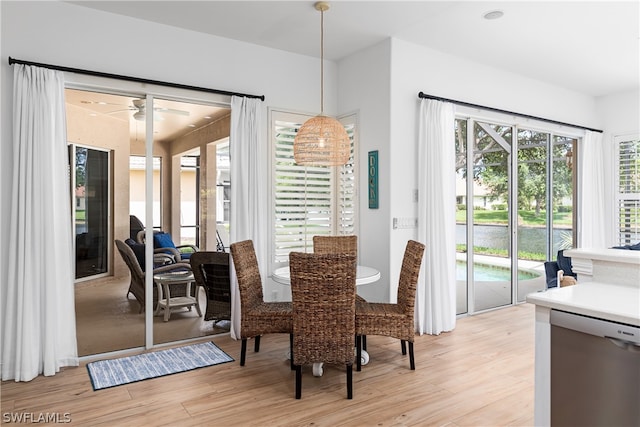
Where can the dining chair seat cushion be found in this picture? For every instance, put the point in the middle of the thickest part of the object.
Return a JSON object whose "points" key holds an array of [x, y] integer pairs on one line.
{"points": [[278, 315], [383, 319]]}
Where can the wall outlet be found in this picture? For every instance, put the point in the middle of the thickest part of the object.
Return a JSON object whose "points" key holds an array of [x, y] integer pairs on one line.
{"points": [[405, 223]]}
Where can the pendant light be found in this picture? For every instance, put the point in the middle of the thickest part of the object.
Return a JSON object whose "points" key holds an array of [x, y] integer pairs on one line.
{"points": [[322, 140]]}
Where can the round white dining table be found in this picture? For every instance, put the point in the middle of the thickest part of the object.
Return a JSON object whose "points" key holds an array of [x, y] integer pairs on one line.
{"points": [[364, 276]]}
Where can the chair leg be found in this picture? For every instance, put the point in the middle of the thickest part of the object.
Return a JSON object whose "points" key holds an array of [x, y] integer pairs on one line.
{"points": [[349, 381], [298, 381], [291, 351], [364, 342], [358, 353], [243, 351], [404, 347], [256, 347], [412, 362]]}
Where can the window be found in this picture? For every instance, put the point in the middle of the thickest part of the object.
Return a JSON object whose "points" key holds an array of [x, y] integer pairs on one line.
{"points": [[308, 200], [92, 195], [190, 198], [137, 198], [628, 190]]}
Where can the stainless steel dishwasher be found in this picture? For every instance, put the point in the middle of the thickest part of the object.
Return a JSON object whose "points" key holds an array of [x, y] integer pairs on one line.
{"points": [[595, 372]]}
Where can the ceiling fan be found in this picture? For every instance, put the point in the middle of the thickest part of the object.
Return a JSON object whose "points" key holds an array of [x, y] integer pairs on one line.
{"points": [[138, 106]]}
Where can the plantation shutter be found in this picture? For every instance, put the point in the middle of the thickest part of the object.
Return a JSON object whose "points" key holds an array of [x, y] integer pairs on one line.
{"points": [[308, 200], [628, 194]]}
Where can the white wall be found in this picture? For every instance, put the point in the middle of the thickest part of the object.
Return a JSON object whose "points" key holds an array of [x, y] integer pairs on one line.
{"points": [[413, 69], [69, 35], [364, 87]]}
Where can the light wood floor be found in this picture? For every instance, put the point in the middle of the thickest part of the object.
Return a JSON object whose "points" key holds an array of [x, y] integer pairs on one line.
{"points": [[481, 374]]}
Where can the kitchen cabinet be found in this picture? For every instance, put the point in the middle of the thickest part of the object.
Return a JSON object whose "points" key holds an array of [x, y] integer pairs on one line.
{"points": [[609, 292]]}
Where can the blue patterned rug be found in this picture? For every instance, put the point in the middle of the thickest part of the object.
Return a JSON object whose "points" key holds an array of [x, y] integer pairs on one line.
{"points": [[115, 372]]}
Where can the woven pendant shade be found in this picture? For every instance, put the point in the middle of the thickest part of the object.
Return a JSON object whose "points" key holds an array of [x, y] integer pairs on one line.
{"points": [[322, 141]]}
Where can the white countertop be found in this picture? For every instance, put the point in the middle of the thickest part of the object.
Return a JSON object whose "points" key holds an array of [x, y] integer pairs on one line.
{"points": [[601, 300], [605, 254]]}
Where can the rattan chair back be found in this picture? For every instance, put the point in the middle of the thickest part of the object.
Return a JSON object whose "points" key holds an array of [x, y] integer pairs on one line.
{"points": [[248, 274], [335, 244], [323, 292], [257, 317], [409, 273]]}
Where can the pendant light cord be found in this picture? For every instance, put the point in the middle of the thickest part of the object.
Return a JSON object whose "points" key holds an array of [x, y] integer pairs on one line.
{"points": [[322, 62]]}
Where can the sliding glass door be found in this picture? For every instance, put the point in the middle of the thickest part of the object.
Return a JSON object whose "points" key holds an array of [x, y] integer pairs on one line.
{"points": [[515, 199], [125, 173], [533, 196], [491, 215]]}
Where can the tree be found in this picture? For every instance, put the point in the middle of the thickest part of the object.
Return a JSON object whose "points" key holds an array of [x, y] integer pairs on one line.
{"points": [[81, 166], [491, 167]]}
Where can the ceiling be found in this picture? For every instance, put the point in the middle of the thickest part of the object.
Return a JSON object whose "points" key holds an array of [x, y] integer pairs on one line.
{"points": [[172, 119], [591, 47]]}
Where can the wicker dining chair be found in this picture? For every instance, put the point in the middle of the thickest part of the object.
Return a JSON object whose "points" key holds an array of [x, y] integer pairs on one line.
{"points": [[257, 317], [323, 293], [339, 245], [336, 245], [393, 320]]}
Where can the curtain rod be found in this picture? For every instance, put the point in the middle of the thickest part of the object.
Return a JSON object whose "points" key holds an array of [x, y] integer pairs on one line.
{"points": [[466, 104], [132, 79]]}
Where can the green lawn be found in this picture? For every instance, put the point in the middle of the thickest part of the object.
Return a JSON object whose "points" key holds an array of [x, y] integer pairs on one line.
{"points": [[527, 218]]}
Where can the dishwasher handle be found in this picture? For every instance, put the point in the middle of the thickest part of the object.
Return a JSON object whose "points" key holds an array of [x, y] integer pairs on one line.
{"points": [[625, 345], [627, 336]]}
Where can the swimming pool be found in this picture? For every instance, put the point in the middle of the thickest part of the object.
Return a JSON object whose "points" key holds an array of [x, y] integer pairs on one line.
{"points": [[489, 273]]}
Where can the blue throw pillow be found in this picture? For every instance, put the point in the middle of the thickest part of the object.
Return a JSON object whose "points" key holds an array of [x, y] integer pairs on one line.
{"points": [[138, 251], [163, 240]]}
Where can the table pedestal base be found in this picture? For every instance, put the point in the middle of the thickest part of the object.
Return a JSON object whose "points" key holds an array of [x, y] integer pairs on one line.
{"points": [[318, 367]]}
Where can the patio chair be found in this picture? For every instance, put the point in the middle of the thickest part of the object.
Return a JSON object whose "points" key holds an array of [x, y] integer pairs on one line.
{"points": [[211, 271], [556, 270], [323, 293], [394, 320], [257, 317], [136, 286], [135, 226], [164, 242]]}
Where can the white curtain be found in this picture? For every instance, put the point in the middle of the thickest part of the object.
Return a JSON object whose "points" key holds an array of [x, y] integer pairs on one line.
{"points": [[592, 194], [436, 294], [38, 311], [248, 208]]}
